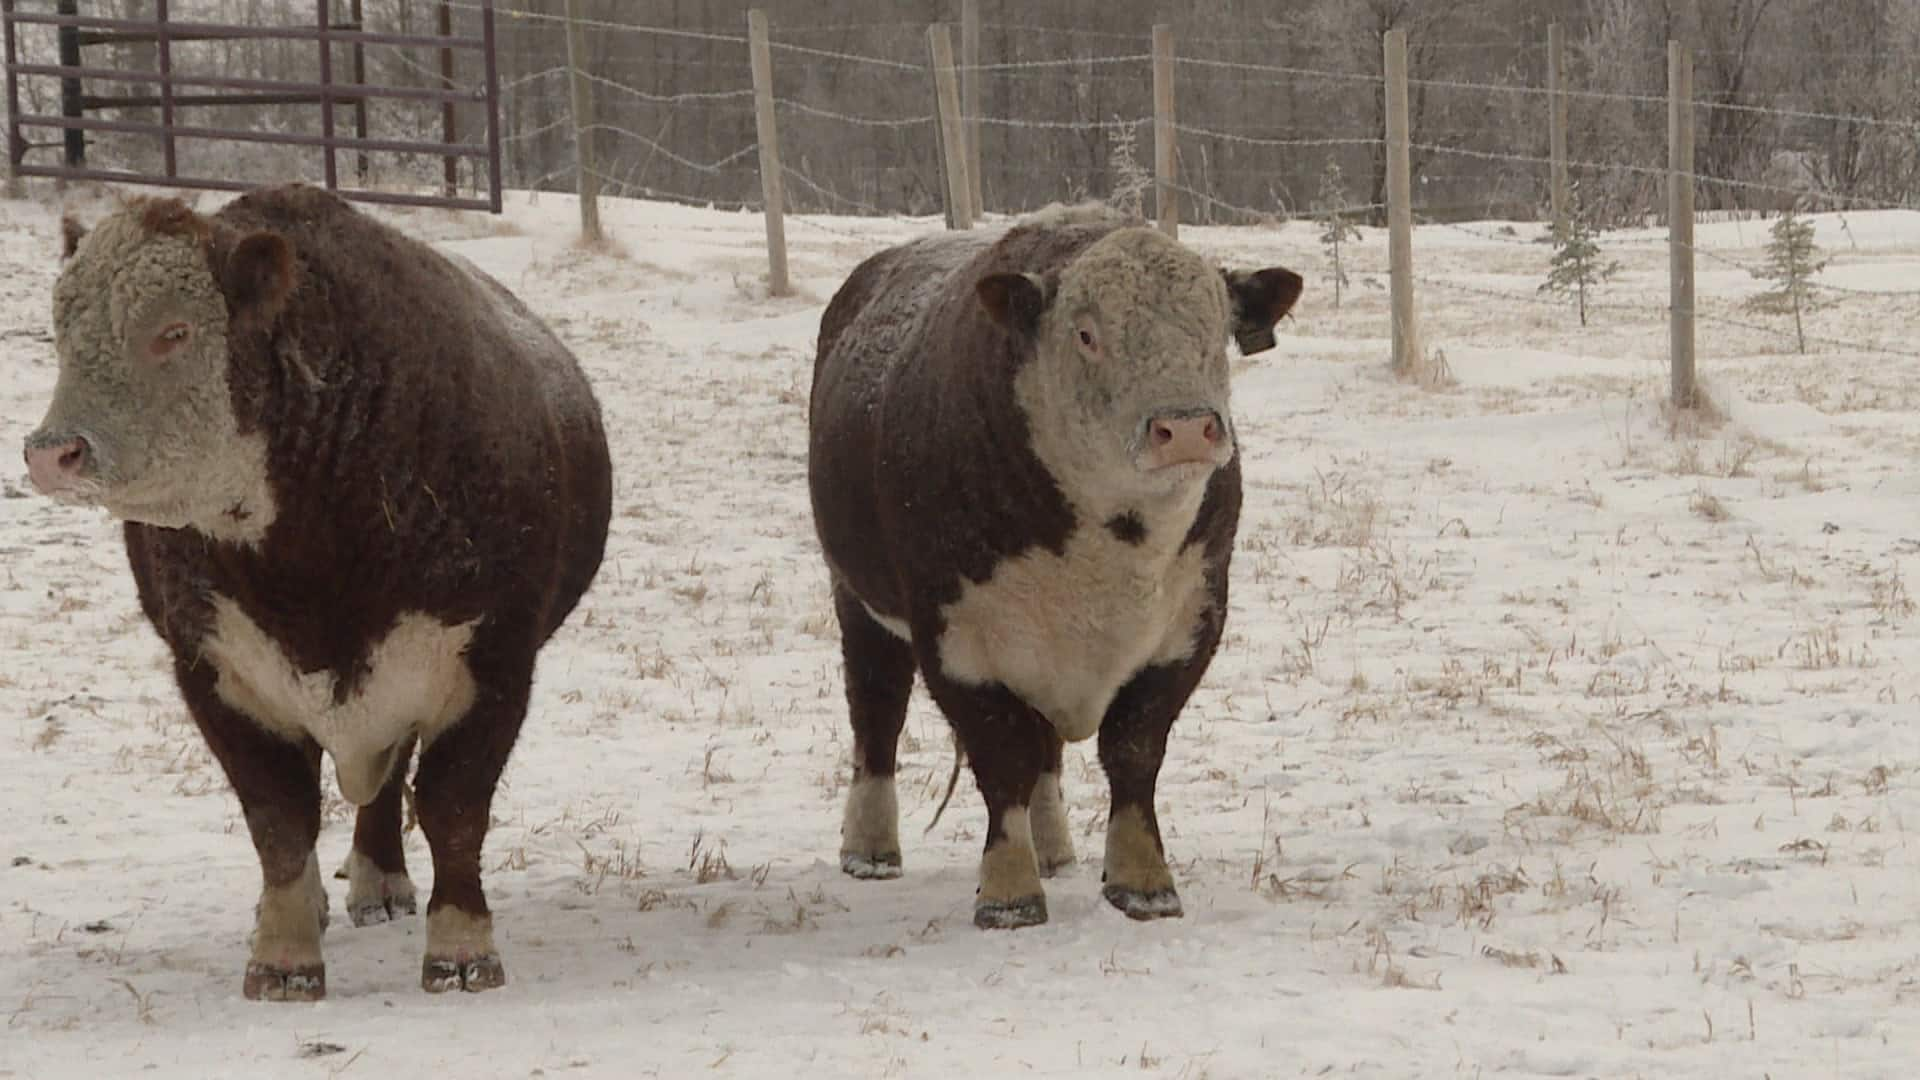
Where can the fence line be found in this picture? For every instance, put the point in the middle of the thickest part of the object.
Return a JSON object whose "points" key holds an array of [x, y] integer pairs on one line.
{"points": [[661, 149], [600, 24], [1860, 201], [1262, 140], [680, 98], [847, 57], [863, 121], [1209, 149], [1780, 334]]}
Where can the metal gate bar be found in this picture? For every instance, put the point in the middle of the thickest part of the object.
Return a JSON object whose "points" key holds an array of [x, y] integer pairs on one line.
{"points": [[78, 31]]}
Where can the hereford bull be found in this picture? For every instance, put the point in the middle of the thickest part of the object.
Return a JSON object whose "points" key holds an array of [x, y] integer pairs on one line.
{"points": [[1025, 480], [362, 485]]}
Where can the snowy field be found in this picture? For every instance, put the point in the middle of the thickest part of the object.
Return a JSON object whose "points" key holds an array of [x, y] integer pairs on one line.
{"points": [[1544, 741]]}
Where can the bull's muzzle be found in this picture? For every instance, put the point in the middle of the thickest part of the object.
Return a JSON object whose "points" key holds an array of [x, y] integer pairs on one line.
{"points": [[57, 463], [1187, 437]]}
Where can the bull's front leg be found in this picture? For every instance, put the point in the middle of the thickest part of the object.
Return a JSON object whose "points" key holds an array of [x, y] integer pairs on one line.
{"points": [[278, 785], [1008, 744], [1133, 743], [453, 795]]}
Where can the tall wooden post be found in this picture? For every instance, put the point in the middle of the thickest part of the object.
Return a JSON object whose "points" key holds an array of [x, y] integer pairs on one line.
{"points": [[329, 166], [16, 145], [357, 13], [449, 124], [163, 54], [1557, 125], [70, 92], [1680, 181], [587, 181], [1406, 337], [970, 97], [772, 183], [1166, 202], [952, 139]]}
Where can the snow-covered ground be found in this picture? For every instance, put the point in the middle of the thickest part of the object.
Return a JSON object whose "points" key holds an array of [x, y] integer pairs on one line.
{"points": [[1545, 741]]}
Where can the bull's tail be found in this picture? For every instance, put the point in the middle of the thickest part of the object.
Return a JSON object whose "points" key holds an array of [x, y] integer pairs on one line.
{"points": [[953, 781]]}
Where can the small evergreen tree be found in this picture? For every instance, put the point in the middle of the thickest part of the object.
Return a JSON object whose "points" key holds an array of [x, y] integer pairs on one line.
{"points": [[1130, 179], [1577, 267], [1792, 260], [1335, 229]]}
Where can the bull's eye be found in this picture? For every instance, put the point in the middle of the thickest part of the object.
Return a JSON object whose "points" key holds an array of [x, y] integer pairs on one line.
{"points": [[1086, 333], [170, 338]]}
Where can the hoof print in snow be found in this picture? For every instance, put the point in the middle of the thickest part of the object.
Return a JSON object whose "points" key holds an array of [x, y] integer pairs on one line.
{"points": [[471, 975], [883, 867], [1142, 906], [267, 983], [1010, 914]]}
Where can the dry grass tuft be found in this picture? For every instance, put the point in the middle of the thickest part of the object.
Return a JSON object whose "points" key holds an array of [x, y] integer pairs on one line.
{"points": [[1706, 504]]}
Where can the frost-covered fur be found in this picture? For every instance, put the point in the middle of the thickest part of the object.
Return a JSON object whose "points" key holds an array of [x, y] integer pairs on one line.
{"points": [[987, 475], [363, 485]]}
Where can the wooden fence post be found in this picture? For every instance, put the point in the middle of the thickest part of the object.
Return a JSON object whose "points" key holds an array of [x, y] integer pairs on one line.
{"points": [[587, 182], [70, 87], [772, 183], [449, 122], [1557, 124], [1406, 338], [1680, 189], [970, 98], [16, 146], [356, 11], [952, 138], [1166, 202]]}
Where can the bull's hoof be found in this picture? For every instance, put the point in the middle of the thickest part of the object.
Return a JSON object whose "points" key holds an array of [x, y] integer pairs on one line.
{"points": [[1054, 867], [265, 982], [1136, 904], [1010, 914], [472, 975], [869, 867], [376, 910], [375, 896]]}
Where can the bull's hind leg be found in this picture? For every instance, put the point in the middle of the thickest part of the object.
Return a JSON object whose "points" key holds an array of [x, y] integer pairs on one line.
{"points": [[1133, 743], [378, 888], [278, 785], [879, 675], [453, 795], [1052, 835], [1008, 745]]}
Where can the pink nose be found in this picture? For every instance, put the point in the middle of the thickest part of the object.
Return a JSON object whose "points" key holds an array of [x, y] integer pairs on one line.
{"points": [[1181, 440], [57, 467]]}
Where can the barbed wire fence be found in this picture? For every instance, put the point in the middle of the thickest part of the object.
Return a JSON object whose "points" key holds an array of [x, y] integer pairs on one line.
{"points": [[845, 120]]}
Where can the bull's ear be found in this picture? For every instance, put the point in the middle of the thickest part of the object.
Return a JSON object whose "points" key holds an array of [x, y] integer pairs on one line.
{"points": [[1015, 301], [257, 275], [1260, 299], [71, 233]]}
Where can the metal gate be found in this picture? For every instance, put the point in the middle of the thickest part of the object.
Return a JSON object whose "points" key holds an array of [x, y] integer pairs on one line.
{"points": [[76, 32]]}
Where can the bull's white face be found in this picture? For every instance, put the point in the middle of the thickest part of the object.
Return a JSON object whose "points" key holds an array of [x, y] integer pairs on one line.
{"points": [[142, 421], [1128, 392]]}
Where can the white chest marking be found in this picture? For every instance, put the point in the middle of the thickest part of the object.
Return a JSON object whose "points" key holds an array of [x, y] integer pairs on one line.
{"points": [[1066, 632], [417, 683]]}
